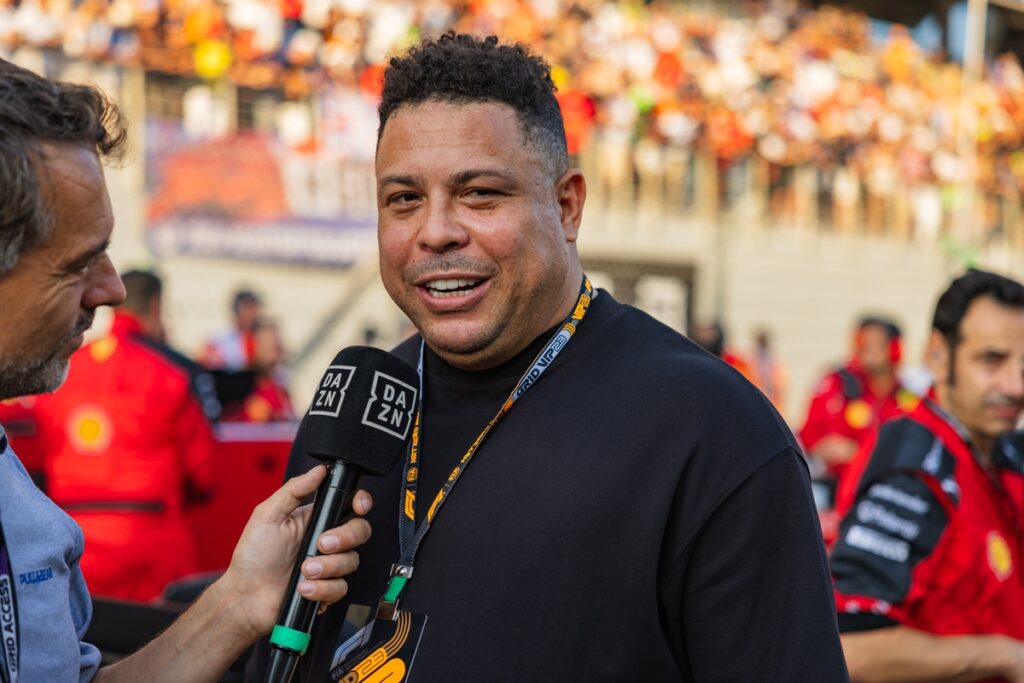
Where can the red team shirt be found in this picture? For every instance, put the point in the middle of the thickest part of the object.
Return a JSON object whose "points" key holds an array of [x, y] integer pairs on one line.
{"points": [[127, 444], [932, 540], [267, 402], [845, 405]]}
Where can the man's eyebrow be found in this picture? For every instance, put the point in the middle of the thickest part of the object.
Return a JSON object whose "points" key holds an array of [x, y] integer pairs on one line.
{"points": [[89, 255], [463, 177], [398, 179]]}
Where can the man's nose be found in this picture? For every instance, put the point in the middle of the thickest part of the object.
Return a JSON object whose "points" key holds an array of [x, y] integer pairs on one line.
{"points": [[441, 231], [104, 286]]}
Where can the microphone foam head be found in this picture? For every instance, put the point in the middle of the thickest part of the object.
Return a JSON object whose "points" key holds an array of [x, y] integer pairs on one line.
{"points": [[363, 409]]}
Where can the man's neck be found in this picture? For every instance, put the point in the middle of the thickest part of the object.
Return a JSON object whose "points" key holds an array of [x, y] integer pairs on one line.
{"points": [[882, 384], [981, 444]]}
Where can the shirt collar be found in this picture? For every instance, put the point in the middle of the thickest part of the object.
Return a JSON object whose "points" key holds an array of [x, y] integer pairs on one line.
{"points": [[1007, 451], [948, 418]]}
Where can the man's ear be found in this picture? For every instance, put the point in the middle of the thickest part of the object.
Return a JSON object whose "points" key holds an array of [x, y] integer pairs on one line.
{"points": [[571, 193], [937, 357]]}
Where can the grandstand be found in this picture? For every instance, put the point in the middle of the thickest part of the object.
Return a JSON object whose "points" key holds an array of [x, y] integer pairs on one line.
{"points": [[766, 164]]}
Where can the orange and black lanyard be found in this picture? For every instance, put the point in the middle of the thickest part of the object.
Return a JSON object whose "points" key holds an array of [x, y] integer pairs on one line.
{"points": [[409, 537]]}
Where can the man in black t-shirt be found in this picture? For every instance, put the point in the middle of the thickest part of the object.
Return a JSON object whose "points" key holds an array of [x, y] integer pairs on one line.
{"points": [[604, 500]]}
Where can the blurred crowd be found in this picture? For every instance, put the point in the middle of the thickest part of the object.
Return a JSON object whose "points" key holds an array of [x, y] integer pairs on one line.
{"points": [[779, 82]]}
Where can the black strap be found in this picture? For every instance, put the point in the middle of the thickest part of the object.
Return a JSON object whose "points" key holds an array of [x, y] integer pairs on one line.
{"points": [[852, 388], [10, 633]]}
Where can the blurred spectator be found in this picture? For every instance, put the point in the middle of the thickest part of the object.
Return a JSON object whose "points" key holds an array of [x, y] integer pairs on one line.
{"points": [[269, 400], [767, 371], [128, 445], [234, 349], [370, 336], [711, 338], [851, 402]]}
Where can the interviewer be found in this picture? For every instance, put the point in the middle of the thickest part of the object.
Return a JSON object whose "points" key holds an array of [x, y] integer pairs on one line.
{"points": [[55, 226]]}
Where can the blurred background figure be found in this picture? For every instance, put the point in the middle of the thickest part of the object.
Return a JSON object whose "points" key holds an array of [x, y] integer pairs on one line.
{"points": [[851, 402], [710, 336], [233, 350], [768, 371], [370, 336], [128, 445], [269, 400]]}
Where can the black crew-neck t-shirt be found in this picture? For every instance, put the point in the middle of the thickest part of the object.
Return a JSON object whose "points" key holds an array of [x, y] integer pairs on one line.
{"points": [[642, 513], [448, 433]]}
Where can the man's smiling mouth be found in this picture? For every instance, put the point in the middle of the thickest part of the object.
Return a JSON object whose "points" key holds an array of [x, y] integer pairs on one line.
{"points": [[451, 287]]}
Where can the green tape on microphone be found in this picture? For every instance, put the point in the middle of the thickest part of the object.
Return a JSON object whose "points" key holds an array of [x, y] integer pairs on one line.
{"points": [[289, 639]]}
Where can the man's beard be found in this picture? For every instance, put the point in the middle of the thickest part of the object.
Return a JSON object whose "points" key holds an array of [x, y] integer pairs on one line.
{"points": [[36, 378], [42, 375]]}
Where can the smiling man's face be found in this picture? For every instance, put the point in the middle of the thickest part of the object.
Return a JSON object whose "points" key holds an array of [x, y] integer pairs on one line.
{"points": [[49, 297], [477, 239]]}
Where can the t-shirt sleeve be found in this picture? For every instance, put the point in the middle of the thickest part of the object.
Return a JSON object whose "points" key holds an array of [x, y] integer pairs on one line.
{"points": [[894, 524], [757, 596]]}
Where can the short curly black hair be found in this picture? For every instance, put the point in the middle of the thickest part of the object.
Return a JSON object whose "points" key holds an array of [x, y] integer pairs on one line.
{"points": [[961, 293], [461, 69], [35, 111]]}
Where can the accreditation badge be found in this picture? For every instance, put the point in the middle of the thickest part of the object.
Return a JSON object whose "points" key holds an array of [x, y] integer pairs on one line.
{"points": [[382, 651]]}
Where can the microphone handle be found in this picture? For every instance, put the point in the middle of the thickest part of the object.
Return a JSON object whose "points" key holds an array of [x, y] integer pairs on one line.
{"points": [[333, 502]]}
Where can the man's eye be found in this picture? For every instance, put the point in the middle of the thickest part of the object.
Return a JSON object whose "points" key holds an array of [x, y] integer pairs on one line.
{"points": [[402, 198], [81, 268]]}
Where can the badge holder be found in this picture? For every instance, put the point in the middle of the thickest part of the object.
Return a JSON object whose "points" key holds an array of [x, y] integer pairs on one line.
{"points": [[387, 608], [384, 649]]}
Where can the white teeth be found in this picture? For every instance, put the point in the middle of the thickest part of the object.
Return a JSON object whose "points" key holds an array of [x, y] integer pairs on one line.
{"points": [[450, 287]]}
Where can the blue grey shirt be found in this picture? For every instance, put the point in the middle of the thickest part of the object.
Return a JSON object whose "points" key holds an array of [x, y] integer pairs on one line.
{"points": [[53, 602]]}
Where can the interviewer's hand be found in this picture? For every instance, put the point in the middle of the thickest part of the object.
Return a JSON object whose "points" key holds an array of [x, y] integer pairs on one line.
{"points": [[263, 559], [243, 605]]}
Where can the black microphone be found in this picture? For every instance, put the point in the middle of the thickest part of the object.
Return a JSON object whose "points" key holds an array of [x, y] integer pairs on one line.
{"points": [[358, 422]]}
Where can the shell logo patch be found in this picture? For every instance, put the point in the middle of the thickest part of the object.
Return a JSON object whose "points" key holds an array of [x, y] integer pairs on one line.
{"points": [[907, 400], [89, 429], [1000, 559], [258, 409], [102, 349], [858, 414]]}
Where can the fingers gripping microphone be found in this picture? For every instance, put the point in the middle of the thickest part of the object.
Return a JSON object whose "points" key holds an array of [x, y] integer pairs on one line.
{"points": [[358, 422]]}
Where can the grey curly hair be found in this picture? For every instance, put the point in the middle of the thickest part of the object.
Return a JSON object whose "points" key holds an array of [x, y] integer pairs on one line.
{"points": [[35, 111]]}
